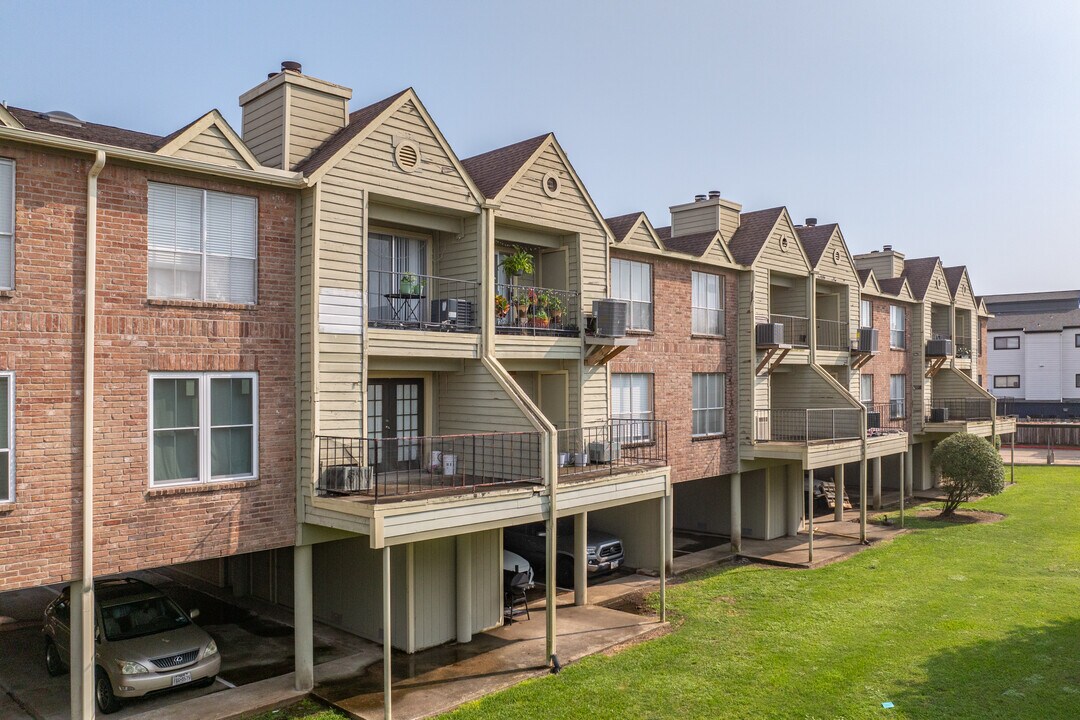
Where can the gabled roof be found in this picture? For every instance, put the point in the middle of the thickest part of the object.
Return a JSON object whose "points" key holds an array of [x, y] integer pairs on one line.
{"points": [[1036, 322], [359, 120], [491, 171], [815, 239], [753, 233], [621, 225], [1072, 296], [664, 232], [919, 272], [175, 141], [90, 132], [953, 276], [868, 280], [898, 287], [693, 244]]}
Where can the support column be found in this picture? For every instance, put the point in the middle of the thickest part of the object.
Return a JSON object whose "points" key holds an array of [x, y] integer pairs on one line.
{"points": [[903, 485], [810, 513], [793, 499], [877, 483], [909, 471], [303, 620], [838, 482], [463, 547], [581, 562], [82, 686], [862, 500], [736, 512], [664, 502], [388, 674]]}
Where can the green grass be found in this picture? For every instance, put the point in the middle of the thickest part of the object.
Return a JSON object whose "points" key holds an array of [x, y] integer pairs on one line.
{"points": [[950, 621], [303, 710]]}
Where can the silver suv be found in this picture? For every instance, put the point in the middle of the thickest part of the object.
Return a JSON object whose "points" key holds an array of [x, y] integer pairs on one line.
{"points": [[144, 642]]}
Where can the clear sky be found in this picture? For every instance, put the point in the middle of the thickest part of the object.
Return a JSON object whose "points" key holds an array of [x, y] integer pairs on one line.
{"points": [[942, 128]]}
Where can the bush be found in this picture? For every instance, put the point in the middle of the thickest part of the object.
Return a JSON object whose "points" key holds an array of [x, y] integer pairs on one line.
{"points": [[969, 466]]}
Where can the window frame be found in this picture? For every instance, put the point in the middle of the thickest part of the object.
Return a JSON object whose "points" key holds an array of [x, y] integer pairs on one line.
{"points": [[204, 253], [722, 432], [1006, 387], [868, 404], [1076, 340], [650, 413], [719, 310], [894, 312], [1078, 380], [9, 375], [868, 305], [898, 402], [630, 316], [205, 427], [8, 283], [1006, 346]]}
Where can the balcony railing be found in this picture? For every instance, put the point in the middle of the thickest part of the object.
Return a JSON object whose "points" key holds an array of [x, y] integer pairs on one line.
{"points": [[962, 347], [807, 426], [611, 447], [530, 310], [394, 467], [408, 301], [959, 409], [833, 335], [886, 418], [796, 329]]}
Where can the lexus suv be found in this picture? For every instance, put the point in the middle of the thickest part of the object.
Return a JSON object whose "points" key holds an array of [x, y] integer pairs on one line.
{"points": [[144, 642]]}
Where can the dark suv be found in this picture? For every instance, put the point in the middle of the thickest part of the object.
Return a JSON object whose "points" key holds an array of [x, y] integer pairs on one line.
{"points": [[604, 551]]}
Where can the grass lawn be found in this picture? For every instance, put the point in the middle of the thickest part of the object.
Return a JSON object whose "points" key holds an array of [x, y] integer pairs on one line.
{"points": [[950, 621]]}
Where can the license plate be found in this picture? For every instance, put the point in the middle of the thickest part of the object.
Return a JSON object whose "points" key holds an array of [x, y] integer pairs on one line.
{"points": [[615, 564], [181, 678]]}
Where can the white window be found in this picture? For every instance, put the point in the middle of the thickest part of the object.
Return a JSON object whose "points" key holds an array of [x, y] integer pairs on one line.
{"points": [[897, 337], [1007, 342], [7, 437], [632, 281], [708, 404], [707, 303], [631, 399], [398, 281], [202, 244], [7, 224], [897, 393], [204, 427], [1006, 382], [866, 391], [866, 314]]}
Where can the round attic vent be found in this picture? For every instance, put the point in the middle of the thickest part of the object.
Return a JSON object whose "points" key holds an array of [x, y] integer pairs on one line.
{"points": [[783, 244], [836, 257], [407, 155], [551, 184]]}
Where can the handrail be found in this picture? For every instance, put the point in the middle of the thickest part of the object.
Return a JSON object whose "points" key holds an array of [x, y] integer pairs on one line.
{"points": [[535, 310], [611, 446], [411, 301], [796, 329], [832, 335], [807, 425]]}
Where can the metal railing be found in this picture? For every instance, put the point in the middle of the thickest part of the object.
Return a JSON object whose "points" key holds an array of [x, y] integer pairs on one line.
{"points": [[608, 447], [962, 347], [393, 467], [796, 329], [886, 418], [832, 335], [961, 409], [807, 426], [531, 310], [409, 301]]}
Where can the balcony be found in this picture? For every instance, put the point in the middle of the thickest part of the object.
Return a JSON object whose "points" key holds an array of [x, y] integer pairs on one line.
{"points": [[536, 311], [886, 418], [833, 335], [410, 301], [796, 329], [962, 347], [807, 427], [959, 410], [396, 468], [617, 446]]}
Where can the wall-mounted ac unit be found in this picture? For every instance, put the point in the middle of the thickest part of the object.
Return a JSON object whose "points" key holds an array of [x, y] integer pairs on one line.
{"points": [[770, 333], [452, 312], [939, 347], [612, 317], [873, 420], [345, 479], [939, 415], [866, 340], [602, 452]]}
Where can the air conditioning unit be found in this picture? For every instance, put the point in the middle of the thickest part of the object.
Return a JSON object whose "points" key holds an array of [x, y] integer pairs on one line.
{"points": [[602, 452], [866, 340], [770, 334], [612, 317], [345, 479], [939, 415], [452, 312], [873, 420], [939, 347]]}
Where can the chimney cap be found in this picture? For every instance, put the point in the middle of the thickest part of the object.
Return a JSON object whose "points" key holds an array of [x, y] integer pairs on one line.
{"points": [[811, 222], [714, 194], [700, 198], [887, 248], [291, 65]]}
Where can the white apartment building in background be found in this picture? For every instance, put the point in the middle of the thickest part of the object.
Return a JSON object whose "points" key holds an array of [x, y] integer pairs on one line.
{"points": [[1034, 346]]}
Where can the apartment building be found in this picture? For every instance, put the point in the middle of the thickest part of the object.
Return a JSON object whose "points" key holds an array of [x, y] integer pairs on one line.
{"points": [[147, 353]]}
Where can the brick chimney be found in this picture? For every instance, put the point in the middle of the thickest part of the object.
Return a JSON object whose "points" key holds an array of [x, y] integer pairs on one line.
{"points": [[707, 213], [290, 114]]}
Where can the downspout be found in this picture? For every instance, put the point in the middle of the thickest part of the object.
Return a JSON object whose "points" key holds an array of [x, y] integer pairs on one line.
{"points": [[86, 699]]}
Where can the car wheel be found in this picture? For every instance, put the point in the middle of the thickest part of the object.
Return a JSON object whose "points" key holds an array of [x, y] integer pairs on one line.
{"points": [[206, 682], [107, 702], [53, 662]]}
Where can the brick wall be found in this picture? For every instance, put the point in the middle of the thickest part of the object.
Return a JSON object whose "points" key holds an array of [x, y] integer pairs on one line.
{"points": [[889, 362], [672, 355], [41, 327]]}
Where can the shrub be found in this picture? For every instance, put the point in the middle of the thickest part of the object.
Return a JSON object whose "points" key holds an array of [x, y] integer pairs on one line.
{"points": [[969, 466]]}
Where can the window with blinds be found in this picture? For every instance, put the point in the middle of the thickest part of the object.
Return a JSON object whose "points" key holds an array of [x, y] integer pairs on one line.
{"points": [[631, 399], [7, 437], [7, 224], [707, 302], [708, 404], [866, 390], [202, 245], [632, 281], [897, 394]]}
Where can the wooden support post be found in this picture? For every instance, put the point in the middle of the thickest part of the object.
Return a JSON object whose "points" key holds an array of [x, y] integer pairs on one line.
{"points": [[903, 486], [810, 514], [838, 493], [581, 561], [388, 674], [877, 483], [736, 512], [663, 557], [862, 500]]}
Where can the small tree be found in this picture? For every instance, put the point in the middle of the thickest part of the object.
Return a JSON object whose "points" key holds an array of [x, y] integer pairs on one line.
{"points": [[969, 466]]}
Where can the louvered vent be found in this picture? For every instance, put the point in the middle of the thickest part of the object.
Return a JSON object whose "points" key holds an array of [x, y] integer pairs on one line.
{"points": [[407, 156]]}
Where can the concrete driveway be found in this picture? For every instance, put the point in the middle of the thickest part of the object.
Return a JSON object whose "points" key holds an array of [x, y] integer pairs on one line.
{"points": [[255, 645]]}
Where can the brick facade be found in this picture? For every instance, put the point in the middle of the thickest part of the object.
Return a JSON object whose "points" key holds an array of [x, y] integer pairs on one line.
{"points": [[672, 354], [41, 326], [889, 361]]}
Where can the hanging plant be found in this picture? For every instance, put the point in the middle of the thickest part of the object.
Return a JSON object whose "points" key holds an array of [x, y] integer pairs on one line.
{"points": [[518, 263]]}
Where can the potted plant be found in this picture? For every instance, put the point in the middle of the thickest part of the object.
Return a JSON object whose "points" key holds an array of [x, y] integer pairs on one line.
{"points": [[556, 308], [502, 306], [540, 319], [518, 263], [410, 284], [521, 303], [544, 300]]}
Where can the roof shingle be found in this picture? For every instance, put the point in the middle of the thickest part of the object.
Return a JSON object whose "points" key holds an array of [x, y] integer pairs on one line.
{"points": [[620, 225], [953, 276], [753, 232], [358, 120], [90, 132], [694, 244], [919, 272], [815, 238], [493, 169]]}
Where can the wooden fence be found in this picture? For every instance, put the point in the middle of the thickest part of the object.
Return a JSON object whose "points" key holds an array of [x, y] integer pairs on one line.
{"points": [[1041, 434]]}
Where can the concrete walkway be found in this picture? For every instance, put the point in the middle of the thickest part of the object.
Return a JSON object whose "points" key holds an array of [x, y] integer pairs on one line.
{"points": [[1037, 456], [833, 542], [437, 680]]}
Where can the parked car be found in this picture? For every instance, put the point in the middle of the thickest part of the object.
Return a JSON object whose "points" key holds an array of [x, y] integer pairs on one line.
{"points": [[604, 551], [145, 642]]}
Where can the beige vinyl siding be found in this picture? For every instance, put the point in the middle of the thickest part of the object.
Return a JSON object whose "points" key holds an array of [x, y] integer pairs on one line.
{"points": [[487, 577], [750, 304], [372, 163], [313, 117], [211, 146], [803, 387], [305, 319], [717, 253], [950, 383], [458, 255], [594, 394], [696, 220], [264, 129], [434, 592], [472, 401], [347, 577], [639, 239]]}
